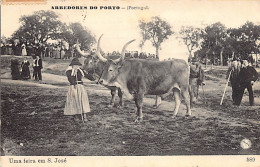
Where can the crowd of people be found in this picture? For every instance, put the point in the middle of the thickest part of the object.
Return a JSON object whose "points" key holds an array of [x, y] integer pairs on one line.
{"points": [[56, 51], [133, 54]]}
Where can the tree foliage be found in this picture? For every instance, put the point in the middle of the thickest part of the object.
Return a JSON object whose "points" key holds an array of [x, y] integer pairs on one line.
{"points": [[244, 39], [75, 31], [191, 37], [39, 27], [238, 42], [156, 31]]}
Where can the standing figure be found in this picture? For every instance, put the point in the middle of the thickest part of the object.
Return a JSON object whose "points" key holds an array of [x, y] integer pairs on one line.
{"points": [[62, 53], [196, 79], [232, 73], [24, 52], [25, 69], [246, 78], [15, 71], [51, 50], [77, 99], [38, 51], [37, 68]]}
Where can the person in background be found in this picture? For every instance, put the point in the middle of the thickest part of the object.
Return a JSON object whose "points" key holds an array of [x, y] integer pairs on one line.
{"points": [[2, 48], [246, 79], [37, 68], [77, 102], [38, 51], [233, 71], [15, 69], [25, 74], [11, 49], [62, 53], [196, 79], [24, 52], [47, 54], [51, 51]]}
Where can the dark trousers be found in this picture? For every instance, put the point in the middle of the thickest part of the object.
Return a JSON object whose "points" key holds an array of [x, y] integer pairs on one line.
{"points": [[38, 73], [241, 90], [235, 93]]}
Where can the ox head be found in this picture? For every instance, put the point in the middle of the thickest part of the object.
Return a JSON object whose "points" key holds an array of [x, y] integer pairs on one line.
{"points": [[92, 65], [111, 68]]}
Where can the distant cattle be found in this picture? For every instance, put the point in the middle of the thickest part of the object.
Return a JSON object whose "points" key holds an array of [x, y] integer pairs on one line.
{"points": [[136, 78]]}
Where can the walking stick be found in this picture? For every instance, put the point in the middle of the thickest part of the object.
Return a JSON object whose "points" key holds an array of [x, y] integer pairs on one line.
{"points": [[203, 94], [78, 98], [225, 88]]}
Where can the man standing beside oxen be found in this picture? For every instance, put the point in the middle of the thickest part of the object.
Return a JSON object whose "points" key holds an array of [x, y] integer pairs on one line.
{"points": [[196, 79], [246, 78], [232, 75]]}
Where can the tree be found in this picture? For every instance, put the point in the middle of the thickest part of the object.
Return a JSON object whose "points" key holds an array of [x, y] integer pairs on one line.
{"points": [[156, 30], [144, 33], [191, 37], [214, 37], [75, 31], [245, 39], [38, 27]]}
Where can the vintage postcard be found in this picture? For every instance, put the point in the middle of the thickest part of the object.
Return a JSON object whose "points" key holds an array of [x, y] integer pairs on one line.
{"points": [[130, 83]]}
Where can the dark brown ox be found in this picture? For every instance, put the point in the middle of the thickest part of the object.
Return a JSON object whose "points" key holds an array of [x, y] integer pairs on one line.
{"points": [[136, 78], [94, 67]]}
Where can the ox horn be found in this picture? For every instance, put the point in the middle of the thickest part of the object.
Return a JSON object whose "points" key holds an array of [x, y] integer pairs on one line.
{"points": [[98, 51], [80, 51], [123, 52]]}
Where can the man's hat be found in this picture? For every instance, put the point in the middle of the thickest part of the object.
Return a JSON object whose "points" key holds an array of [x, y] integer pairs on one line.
{"points": [[75, 61]]}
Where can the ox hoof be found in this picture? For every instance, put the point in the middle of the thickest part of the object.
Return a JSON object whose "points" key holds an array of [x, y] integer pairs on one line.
{"points": [[156, 106], [188, 115], [138, 119], [174, 116], [110, 105], [119, 106]]}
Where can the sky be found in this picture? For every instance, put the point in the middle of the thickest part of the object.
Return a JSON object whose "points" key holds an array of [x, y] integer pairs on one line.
{"points": [[121, 26]]}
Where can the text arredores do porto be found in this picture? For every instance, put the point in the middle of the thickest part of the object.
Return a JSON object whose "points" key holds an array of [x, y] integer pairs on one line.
{"points": [[100, 7], [41, 161]]}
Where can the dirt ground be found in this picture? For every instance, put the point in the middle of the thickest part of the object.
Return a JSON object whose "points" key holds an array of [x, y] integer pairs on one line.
{"points": [[32, 120]]}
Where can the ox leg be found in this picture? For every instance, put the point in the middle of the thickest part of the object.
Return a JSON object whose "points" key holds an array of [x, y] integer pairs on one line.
{"points": [[158, 101], [186, 97], [120, 95], [197, 91], [112, 101], [176, 94], [139, 104], [193, 90]]}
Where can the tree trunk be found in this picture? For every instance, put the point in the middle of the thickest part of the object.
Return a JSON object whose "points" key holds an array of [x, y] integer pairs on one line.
{"points": [[190, 56], [256, 60], [233, 54], [206, 59], [221, 56], [157, 53]]}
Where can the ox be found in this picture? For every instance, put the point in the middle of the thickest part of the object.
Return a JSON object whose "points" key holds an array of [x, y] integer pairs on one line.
{"points": [[93, 67], [136, 78], [197, 77]]}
